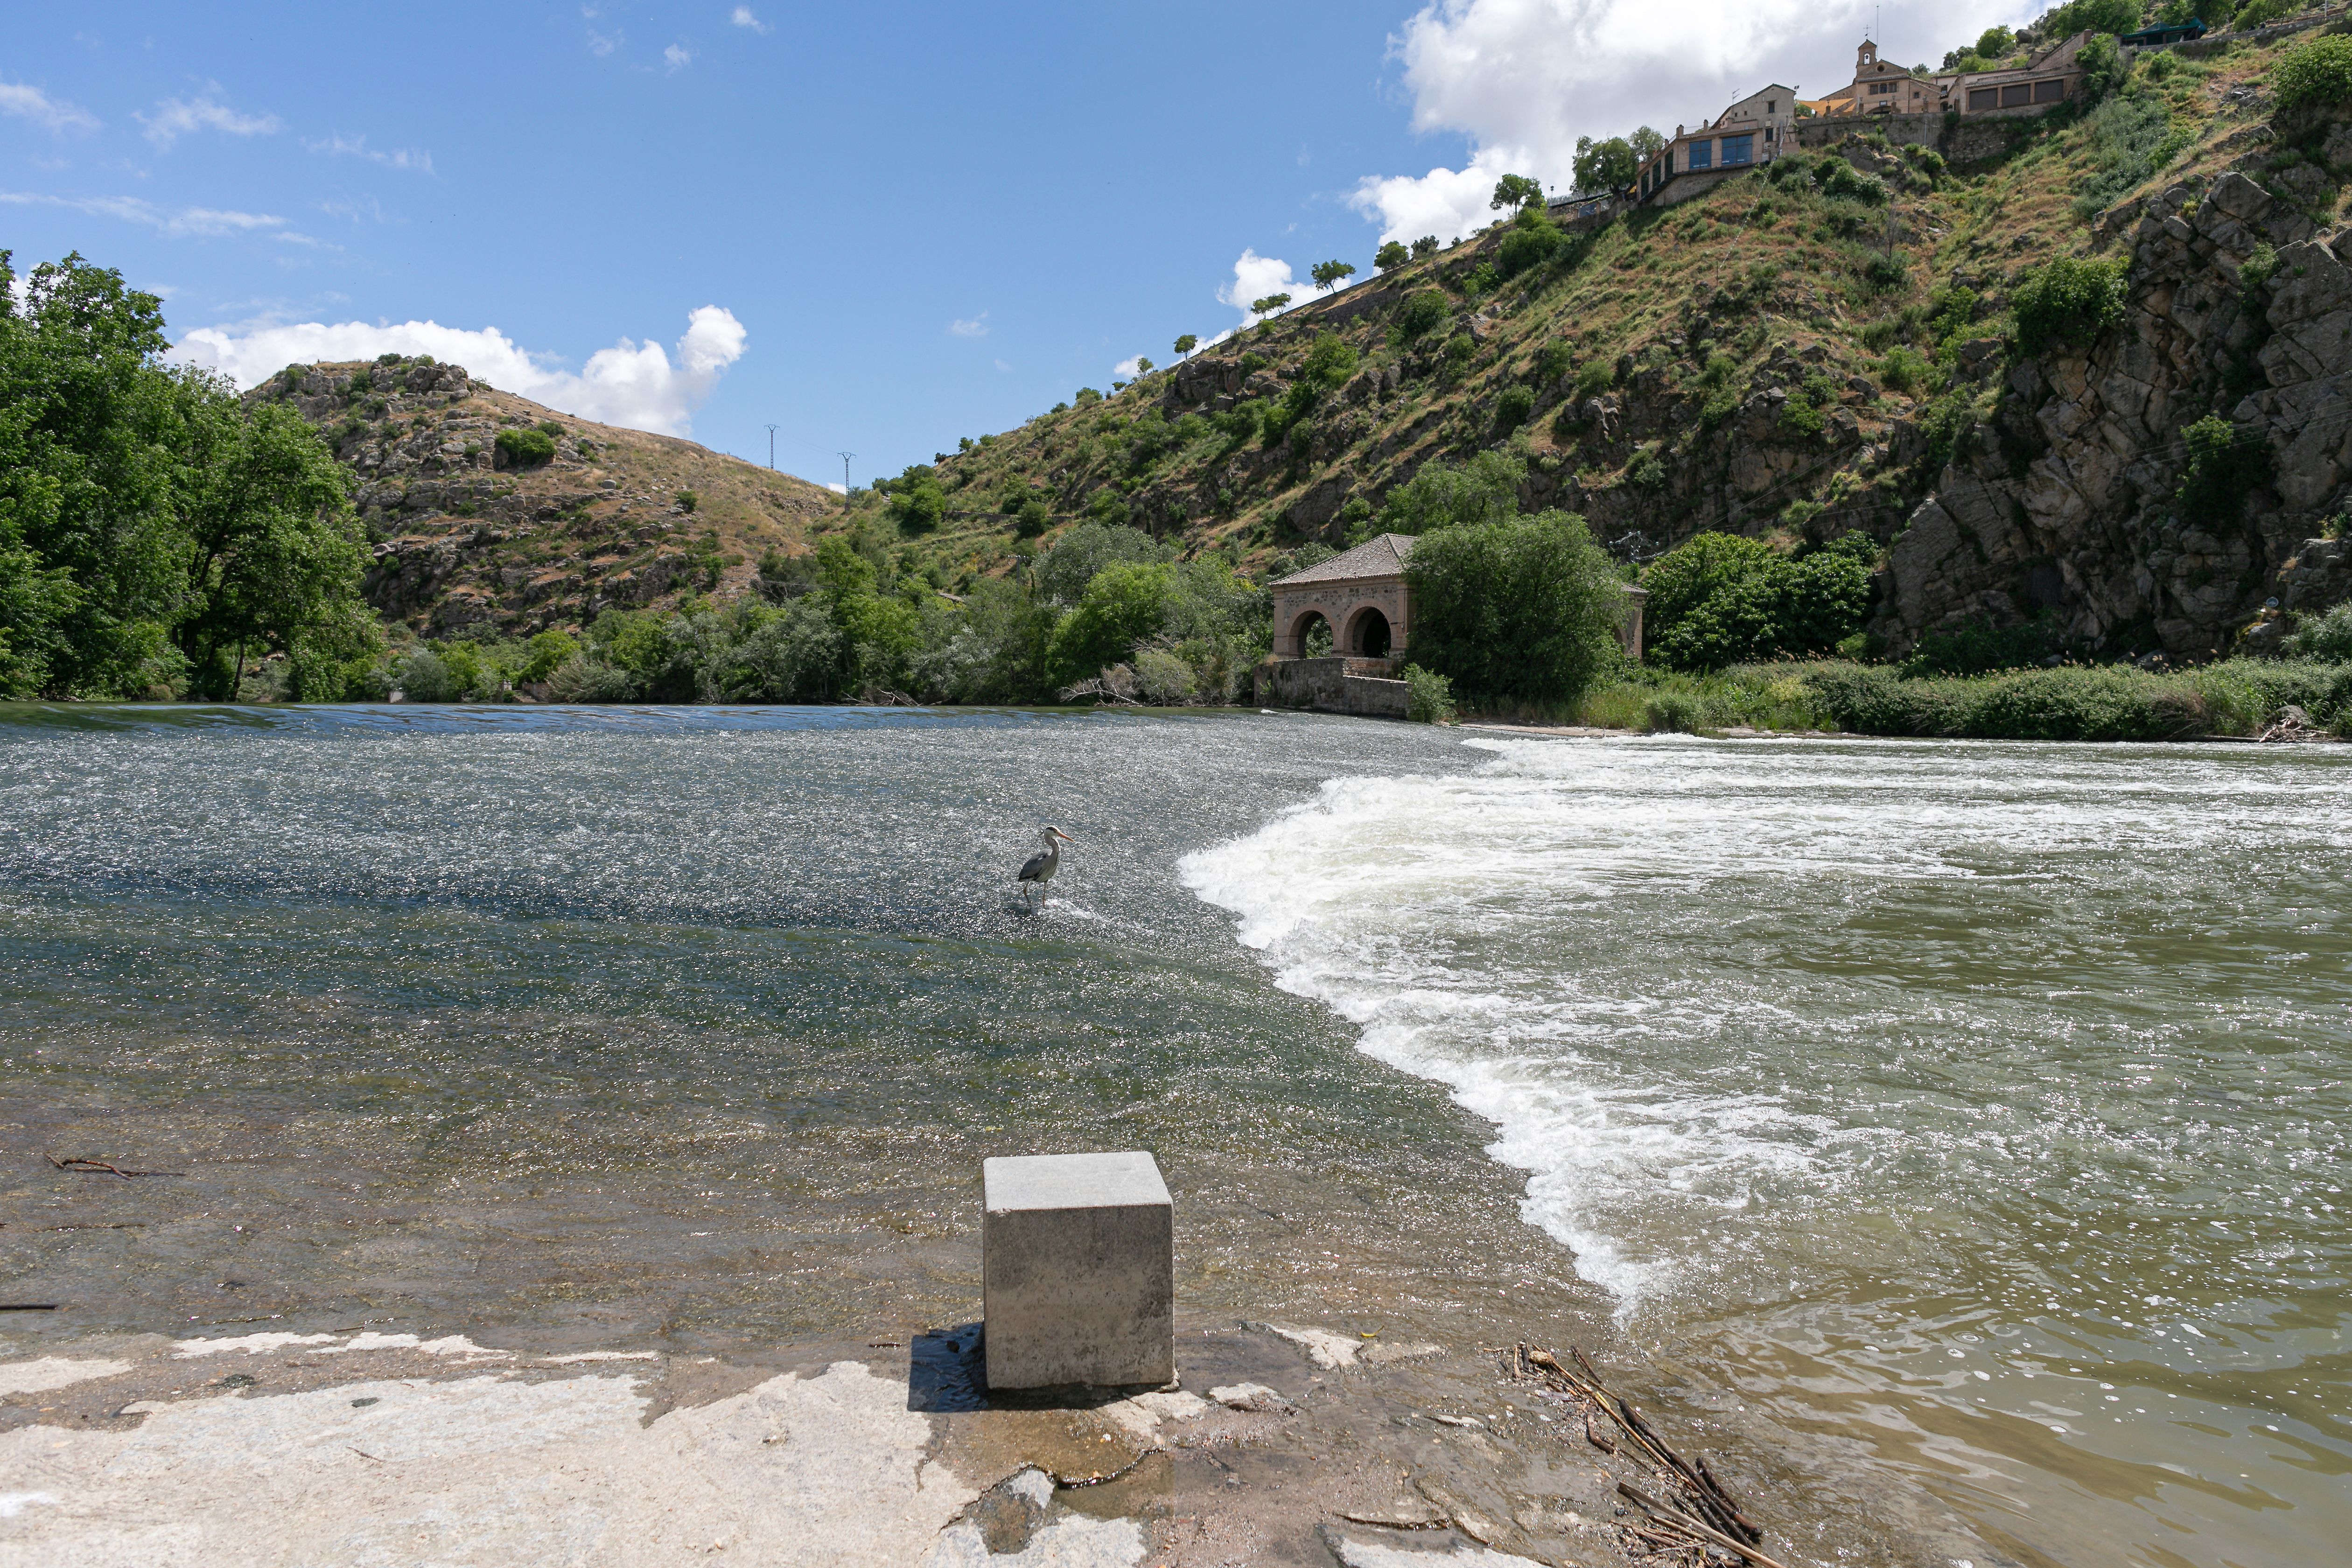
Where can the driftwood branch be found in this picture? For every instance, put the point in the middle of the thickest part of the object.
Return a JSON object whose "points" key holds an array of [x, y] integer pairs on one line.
{"points": [[96, 1166]]}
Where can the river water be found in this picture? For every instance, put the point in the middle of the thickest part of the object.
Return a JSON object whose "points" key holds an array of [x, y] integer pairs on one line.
{"points": [[1971, 1117]]}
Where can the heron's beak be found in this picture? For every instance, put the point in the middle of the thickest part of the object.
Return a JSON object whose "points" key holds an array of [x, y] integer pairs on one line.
{"points": [[1064, 836]]}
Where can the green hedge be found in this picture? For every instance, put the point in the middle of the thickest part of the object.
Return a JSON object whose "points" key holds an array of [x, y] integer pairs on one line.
{"points": [[2081, 703]]}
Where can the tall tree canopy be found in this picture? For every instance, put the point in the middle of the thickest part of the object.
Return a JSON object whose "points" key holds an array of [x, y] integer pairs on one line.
{"points": [[154, 528]]}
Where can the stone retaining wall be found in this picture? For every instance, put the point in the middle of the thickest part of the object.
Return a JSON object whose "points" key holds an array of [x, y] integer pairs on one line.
{"points": [[1363, 687]]}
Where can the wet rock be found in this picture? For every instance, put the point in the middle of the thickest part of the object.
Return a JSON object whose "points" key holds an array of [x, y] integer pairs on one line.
{"points": [[1254, 1397]]}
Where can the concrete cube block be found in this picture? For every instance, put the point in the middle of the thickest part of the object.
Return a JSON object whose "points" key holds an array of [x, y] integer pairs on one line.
{"points": [[1078, 1270]]}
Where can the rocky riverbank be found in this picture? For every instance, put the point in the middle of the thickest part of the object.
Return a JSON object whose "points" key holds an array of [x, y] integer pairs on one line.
{"points": [[1279, 1444]]}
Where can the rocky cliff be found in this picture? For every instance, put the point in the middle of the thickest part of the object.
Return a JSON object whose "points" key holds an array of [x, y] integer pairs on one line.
{"points": [[465, 533]]}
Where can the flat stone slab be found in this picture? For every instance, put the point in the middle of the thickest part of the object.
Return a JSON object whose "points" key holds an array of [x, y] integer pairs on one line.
{"points": [[1078, 1269]]}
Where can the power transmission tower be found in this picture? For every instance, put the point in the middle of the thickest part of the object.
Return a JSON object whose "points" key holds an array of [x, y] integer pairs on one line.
{"points": [[771, 448], [845, 468]]}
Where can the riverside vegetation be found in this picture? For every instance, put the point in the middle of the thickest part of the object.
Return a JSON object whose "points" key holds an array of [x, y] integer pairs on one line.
{"points": [[1855, 414]]}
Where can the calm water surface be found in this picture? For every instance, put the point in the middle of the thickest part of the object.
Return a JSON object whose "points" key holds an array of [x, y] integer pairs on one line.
{"points": [[1973, 1114]]}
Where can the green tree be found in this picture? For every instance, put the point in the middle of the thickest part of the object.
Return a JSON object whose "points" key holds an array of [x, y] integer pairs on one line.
{"points": [[1686, 577], [1448, 495], [1391, 256], [273, 549], [1425, 245], [1330, 275], [918, 502], [1517, 191], [1994, 43], [1646, 145], [1187, 343], [1142, 365], [1603, 166], [1268, 305], [1524, 608], [1121, 606], [150, 522], [545, 654]]}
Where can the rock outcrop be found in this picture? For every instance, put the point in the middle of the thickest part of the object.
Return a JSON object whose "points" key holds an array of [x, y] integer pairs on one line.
{"points": [[2066, 499]]}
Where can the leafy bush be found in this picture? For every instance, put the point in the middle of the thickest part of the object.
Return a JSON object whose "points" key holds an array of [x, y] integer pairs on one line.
{"points": [[1430, 697], [2327, 637], [1721, 599], [547, 652], [1905, 370], [2134, 136], [1552, 363], [2317, 72], [1675, 712], [687, 501], [1459, 349], [2261, 13], [1884, 272], [1162, 678], [2080, 703], [1512, 408], [2224, 464], [525, 448], [590, 680], [1594, 379], [1526, 608], [1032, 520], [2070, 301], [1533, 240], [1391, 256], [1979, 648], [1421, 311], [1841, 180], [1647, 470], [1449, 495], [917, 504], [551, 429], [2092, 16]]}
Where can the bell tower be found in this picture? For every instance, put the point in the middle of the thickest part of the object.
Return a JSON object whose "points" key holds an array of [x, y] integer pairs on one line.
{"points": [[1865, 56]]}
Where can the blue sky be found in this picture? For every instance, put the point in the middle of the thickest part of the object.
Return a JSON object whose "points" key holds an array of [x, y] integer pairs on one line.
{"points": [[878, 226]]}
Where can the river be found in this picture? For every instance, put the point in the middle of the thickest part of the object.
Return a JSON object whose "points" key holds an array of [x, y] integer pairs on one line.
{"points": [[1971, 1116]]}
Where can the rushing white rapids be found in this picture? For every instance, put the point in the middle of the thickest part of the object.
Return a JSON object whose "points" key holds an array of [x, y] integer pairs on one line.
{"points": [[1884, 1080]]}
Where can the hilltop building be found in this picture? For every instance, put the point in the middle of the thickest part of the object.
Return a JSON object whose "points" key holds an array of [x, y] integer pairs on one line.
{"points": [[2048, 79], [1881, 87], [1754, 130]]}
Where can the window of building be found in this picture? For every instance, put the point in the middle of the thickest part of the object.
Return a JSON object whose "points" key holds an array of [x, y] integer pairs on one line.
{"points": [[2016, 93], [2048, 91], [1984, 98], [1702, 155], [1882, 87], [1738, 150]]}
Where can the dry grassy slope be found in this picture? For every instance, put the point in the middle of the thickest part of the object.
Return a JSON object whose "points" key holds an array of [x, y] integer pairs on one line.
{"points": [[1649, 295], [462, 539]]}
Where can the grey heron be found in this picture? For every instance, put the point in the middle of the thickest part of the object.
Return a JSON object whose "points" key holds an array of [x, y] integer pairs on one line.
{"points": [[1040, 868]]}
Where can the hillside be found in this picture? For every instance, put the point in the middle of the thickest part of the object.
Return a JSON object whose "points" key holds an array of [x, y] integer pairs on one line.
{"points": [[1818, 347], [468, 538], [1865, 340]]}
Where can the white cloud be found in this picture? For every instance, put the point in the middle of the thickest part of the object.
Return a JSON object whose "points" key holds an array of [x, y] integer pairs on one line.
{"points": [[1255, 277], [203, 223], [631, 383], [975, 328], [413, 159], [177, 117], [1522, 80], [1128, 368], [51, 113], [837, 489], [744, 18], [679, 56]]}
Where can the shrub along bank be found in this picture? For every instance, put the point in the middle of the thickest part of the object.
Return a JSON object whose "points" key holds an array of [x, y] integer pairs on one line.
{"points": [[2072, 702]]}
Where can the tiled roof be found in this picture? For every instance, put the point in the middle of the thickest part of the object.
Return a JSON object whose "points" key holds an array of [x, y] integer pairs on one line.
{"points": [[1381, 557]]}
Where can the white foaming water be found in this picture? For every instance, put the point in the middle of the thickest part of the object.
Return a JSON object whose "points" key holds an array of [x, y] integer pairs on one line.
{"points": [[1418, 907], [1681, 979]]}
